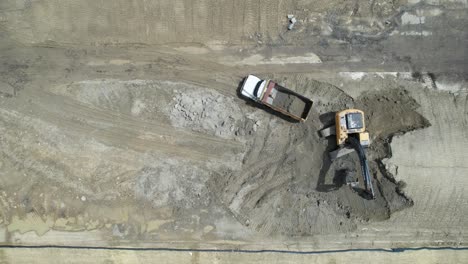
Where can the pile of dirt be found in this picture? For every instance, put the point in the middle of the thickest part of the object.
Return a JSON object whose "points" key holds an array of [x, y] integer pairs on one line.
{"points": [[291, 103], [210, 112], [288, 185], [391, 112], [388, 114]]}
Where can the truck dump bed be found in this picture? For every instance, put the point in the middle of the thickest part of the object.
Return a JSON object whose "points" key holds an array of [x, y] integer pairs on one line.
{"points": [[286, 101]]}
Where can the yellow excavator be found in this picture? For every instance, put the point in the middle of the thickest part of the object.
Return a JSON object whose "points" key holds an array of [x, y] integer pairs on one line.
{"points": [[351, 135]]}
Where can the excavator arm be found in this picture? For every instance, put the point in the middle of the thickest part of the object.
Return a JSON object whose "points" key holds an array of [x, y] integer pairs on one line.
{"points": [[356, 145]]}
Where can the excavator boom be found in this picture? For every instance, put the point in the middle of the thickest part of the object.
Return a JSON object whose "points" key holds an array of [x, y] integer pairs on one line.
{"points": [[355, 143]]}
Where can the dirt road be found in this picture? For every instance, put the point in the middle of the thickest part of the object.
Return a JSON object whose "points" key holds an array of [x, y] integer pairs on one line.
{"points": [[121, 124]]}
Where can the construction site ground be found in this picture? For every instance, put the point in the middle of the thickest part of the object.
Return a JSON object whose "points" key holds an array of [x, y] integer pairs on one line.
{"points": [[124, 138]]}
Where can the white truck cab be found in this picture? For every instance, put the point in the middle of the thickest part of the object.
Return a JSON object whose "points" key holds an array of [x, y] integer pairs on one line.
{"points": [[253, 87]]}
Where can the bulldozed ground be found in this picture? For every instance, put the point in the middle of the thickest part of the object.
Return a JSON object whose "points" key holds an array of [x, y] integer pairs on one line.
{"points": [[121, 124]]}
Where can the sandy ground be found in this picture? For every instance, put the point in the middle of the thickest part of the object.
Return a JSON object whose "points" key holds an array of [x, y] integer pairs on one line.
{"points": [[121, 124]]}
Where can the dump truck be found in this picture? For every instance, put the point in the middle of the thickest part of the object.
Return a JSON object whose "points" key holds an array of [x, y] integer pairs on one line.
{"points": [[276, 97]]}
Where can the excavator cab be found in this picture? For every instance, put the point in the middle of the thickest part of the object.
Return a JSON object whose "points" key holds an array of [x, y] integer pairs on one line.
{"points": [[350, 122]]}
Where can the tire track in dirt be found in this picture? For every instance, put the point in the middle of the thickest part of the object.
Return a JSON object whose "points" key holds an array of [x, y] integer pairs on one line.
{"points": [[124, 131], [250, 17], [150, 22], [200, 18], [271, 21], [180, 20]]}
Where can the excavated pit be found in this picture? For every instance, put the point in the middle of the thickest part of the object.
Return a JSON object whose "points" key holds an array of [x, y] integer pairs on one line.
{"points": [[287, 184]]}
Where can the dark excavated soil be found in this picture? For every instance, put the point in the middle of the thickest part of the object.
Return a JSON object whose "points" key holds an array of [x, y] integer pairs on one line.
{"points": [[290, 102], [289, 186]]}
